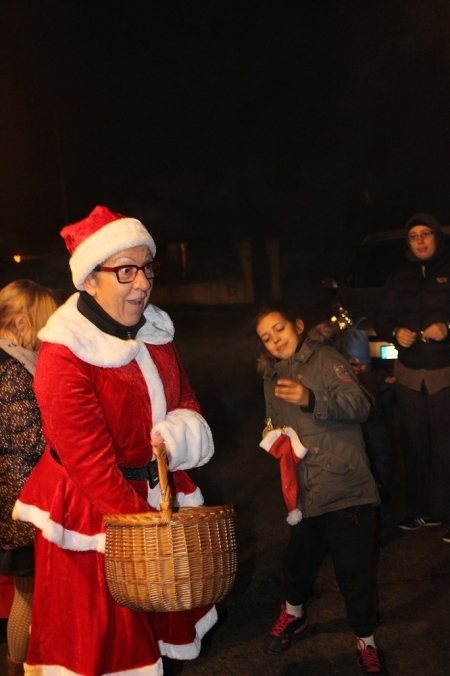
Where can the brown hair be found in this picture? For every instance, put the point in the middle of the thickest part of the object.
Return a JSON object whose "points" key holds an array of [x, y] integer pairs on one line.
{"points": [[287, 311], [324, 332], [290, 315], [33, 301]]}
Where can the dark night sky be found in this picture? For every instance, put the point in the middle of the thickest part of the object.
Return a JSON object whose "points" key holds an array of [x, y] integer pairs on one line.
{"points": [[322, 119]]}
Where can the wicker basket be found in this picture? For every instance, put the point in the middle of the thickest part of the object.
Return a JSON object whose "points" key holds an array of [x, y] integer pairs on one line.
{"points": [[170, 560]]}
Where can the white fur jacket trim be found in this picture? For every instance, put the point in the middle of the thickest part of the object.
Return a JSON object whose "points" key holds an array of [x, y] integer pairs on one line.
{"points": [[54, 532], [185, 432], [194, 499], [67, 326], [190, 651]]}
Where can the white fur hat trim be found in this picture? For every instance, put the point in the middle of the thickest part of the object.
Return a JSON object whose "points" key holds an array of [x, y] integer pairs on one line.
{"points": [[112, 238]]}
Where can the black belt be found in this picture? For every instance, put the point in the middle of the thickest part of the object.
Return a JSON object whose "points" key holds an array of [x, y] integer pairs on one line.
{"points": [[148, 472]]}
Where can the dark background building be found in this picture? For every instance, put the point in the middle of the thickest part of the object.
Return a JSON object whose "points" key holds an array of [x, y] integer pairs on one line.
{"points": [[312, 122]]}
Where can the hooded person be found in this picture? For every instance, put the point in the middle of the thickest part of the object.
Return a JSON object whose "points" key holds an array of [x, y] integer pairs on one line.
{"points": [[434, 226], [415, 315], [110, 387]]}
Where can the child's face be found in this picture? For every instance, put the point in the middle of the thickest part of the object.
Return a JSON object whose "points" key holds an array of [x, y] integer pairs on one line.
{"points": [[280, 336], [356, 366]]}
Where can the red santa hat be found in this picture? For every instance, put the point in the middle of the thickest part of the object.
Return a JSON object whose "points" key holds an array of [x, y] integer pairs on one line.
{"points": [[98, 236], [285, 445]]}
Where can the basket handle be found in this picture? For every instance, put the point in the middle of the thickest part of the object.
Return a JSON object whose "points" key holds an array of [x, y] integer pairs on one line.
{"points": [[165, 506]]}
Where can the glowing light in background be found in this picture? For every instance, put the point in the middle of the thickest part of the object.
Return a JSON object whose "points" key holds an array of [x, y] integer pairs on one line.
{"points": [[20, 258]]}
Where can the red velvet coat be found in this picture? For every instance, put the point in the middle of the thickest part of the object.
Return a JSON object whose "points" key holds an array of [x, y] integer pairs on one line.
{"points": [[101, 398], [99, 414]]}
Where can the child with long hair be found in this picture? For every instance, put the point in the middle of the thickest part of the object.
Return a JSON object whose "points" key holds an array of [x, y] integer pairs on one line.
{"points": [[314, 407], [24, 309]]}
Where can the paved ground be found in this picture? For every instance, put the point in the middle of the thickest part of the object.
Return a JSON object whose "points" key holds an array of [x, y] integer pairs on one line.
{"points": [[411, 571]]}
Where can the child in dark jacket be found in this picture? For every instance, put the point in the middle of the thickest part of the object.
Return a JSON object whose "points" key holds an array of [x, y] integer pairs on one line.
{"points": [[315, 406]]}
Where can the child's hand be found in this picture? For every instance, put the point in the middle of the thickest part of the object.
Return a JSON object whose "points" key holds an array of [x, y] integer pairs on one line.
{"points": [[292, 392]]}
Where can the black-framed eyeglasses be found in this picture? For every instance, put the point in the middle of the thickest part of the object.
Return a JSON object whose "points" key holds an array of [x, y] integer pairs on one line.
{"points": [[127, 273], [415, 236]]}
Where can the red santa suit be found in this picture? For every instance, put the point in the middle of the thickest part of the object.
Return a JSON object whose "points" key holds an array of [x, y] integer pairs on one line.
{"points": [[101, 399]]}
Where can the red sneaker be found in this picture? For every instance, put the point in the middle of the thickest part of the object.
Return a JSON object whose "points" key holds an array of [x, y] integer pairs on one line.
{"points": [[286, 626], [370, 660]]}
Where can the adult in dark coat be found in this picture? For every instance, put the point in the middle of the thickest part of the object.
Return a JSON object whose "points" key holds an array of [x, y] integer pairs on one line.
{"points": [[415, 315]]}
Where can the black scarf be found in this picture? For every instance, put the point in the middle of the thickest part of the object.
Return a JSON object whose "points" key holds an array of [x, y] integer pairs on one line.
{"points": [[90, 309]]}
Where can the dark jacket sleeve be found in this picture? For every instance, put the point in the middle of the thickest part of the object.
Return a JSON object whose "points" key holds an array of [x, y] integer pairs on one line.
{"points": [[340, 397], [385, 319]]}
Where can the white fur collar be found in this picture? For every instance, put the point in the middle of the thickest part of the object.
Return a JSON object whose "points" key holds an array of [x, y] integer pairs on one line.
{"points": [[68, 327]]}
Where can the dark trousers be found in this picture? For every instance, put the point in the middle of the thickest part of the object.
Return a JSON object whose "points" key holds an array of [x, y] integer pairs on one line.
{"points": [[425, 420], [349, 536]]}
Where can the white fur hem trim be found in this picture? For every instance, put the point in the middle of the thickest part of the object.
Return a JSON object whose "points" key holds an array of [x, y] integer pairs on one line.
{"points": [[54, 532], [155, 669], [194, 499], [297, 446], [108, 240], [190, 651], [294, 517], [188, 438], [154, 497]]}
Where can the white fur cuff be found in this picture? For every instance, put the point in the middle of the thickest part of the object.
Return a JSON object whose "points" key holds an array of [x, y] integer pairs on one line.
{"points": [[187, 437]]}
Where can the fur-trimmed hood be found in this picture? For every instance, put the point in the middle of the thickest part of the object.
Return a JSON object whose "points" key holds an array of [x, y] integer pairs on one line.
{"points": [[324, 332]]}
